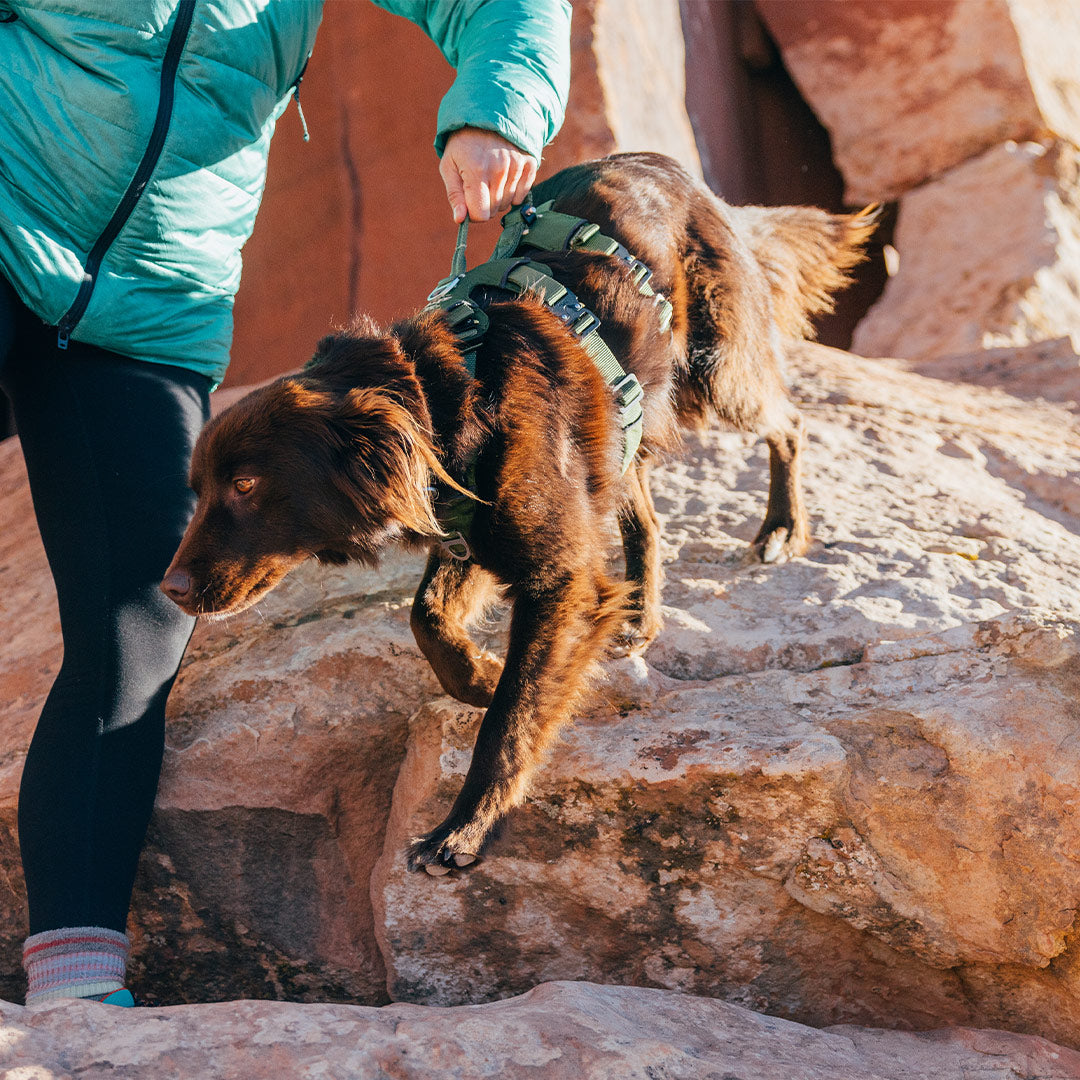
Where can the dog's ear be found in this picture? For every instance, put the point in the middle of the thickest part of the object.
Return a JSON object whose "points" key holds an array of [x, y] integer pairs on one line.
{"points": [[360, 328], [329, 347], [360, 356], [323, 348], [389, 460]]}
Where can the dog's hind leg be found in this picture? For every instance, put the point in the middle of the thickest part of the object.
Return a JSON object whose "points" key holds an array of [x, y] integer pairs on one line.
{"points": [[555, 635], [785, 532], [641, 546], [451, 595], [743, 388]]}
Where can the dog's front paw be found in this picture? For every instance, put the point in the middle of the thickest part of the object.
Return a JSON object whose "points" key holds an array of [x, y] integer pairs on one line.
{"points": [[637, 634], [778, 545], [440, 851]]}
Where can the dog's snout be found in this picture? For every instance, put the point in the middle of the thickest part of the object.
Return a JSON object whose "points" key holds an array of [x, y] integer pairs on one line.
{"points": [[177, 586]]}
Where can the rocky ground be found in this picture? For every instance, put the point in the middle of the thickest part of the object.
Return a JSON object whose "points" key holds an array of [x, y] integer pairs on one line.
{"points": [[840, 790], [559, 1031]]}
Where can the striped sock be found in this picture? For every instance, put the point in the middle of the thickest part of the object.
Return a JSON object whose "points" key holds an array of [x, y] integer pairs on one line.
{"points": [[76, 961]]}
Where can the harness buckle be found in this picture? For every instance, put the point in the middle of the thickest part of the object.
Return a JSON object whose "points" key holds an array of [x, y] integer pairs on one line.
{"points": [[443, 289], [578, 318], [466, 320], [628, 394], [457, 547], [586, 323], [640, 273]]}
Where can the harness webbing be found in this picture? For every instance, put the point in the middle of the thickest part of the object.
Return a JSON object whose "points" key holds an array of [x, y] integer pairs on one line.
{"points": [[546, 229], [538, 228]]}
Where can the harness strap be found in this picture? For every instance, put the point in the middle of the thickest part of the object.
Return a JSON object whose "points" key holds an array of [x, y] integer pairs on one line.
{"points": [[469, 321], [454, 512], [457, 261], [550, 230]]}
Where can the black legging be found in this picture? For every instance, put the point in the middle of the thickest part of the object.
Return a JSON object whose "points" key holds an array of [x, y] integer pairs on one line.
{"points": [[107, 441]]}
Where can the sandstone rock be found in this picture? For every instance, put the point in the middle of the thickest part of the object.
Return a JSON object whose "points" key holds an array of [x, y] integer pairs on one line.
{"points": [[910, 89], [1048, 31], [1047, 369], [286, 732], [640, 64], [839, 790], [563, 1031], [989, 257]]}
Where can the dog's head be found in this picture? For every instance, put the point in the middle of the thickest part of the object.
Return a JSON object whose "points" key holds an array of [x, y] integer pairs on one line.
{"points": [[295, 469]]}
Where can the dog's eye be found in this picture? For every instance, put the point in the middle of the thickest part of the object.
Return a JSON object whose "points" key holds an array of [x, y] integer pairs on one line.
{"points": [[244, 484]]}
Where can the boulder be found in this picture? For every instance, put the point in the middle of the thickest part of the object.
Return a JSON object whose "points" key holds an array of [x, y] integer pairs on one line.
{"points": [[910, 89], [638, 62], [838, 790], [286, 731], [562, 1031], [989, 257]]}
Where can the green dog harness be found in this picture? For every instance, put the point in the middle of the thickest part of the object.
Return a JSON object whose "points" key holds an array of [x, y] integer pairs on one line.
{"points": [[511, 267]]}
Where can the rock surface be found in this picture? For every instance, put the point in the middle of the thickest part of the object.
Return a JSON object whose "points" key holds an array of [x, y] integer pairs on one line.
{"points": [[286, 732], [838, 790], [989, 257], [1048, 369], [630, 38], [561, 1031], [841, 789], [912, 88]]}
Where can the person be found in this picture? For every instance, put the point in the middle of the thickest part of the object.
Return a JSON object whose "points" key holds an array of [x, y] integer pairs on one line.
{"points": [[133, 145]]}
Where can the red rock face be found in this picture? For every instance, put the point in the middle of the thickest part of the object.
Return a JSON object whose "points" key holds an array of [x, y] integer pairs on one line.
{"points": [[989, 258], [356, 218], [907, 88]]}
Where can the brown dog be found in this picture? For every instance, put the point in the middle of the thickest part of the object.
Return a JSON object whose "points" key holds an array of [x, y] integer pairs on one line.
{"points": [[337, 462]]}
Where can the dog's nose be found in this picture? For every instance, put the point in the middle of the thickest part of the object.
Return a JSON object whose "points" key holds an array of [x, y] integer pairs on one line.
{"points": [[177, 586]]}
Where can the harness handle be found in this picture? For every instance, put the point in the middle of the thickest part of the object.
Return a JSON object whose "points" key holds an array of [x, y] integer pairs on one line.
{"points": [[515, 224], [457, 263]]}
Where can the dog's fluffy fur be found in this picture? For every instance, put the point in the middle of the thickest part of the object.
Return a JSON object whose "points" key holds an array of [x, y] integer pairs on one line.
{"points": [[337, 461]]}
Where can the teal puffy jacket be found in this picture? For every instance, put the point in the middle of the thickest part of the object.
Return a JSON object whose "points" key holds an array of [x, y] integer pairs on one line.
{"points": [[134, 137]]}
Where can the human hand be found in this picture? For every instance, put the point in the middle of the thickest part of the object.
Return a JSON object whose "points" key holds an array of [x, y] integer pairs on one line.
{"points": [[484, 174]]}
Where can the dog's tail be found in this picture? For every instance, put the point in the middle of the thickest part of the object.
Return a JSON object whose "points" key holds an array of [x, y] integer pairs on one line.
{"points": [[806, 254]]}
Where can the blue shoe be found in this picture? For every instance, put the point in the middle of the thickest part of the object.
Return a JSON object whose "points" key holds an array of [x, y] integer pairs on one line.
{"points": [[121, 997]]}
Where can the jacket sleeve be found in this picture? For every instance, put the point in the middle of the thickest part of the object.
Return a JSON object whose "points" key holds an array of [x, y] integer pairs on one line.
{"points": [[512, 59]]}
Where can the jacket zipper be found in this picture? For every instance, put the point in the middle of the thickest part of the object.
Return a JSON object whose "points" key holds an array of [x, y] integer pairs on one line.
{"points": [[296, 98], [177, 40]]}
